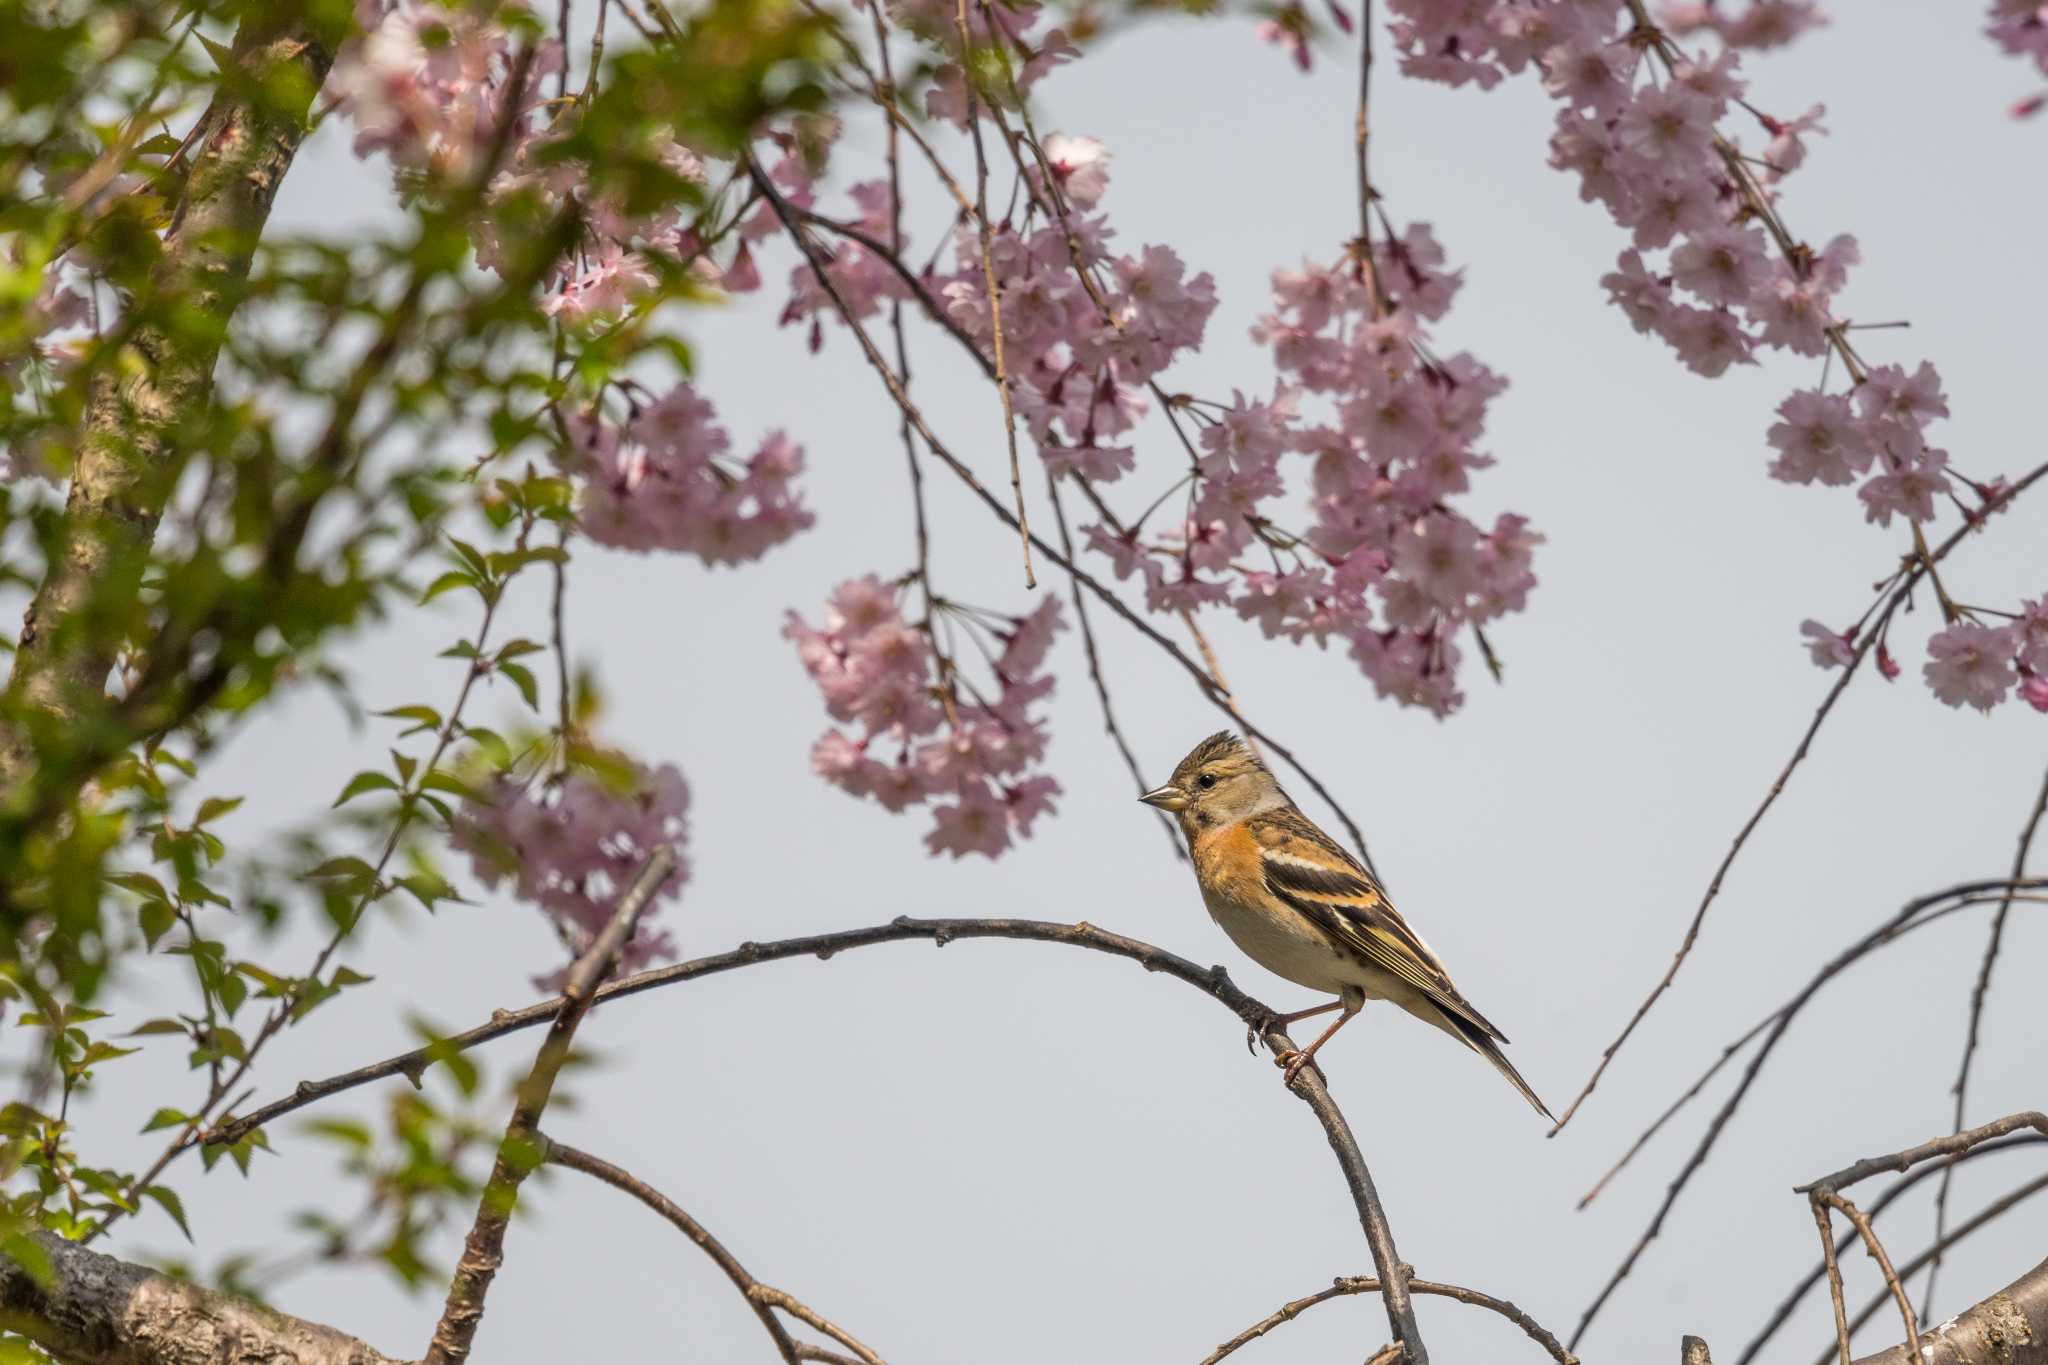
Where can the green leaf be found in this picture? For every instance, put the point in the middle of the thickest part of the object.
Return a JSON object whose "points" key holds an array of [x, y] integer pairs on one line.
{"points": [[166, 1118], [522, 677], [163, 144], [105, 1052], [448, 582], [164, 1195], [156, 918], [423, 718], [349, 976], [213, 807], [141, 883], [155, 1026], [365, 781]]}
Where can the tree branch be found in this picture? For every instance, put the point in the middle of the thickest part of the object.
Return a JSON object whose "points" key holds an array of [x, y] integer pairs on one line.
{"points": [[483, 1251], [559, 1154], [2009, 1328], [140, 399], [1214, 982], [1922, 565], [1362, 1284], [95, 1310]]}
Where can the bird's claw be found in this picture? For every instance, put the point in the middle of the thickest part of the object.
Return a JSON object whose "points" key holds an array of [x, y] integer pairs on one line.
{"points": [[1291, 1062]]}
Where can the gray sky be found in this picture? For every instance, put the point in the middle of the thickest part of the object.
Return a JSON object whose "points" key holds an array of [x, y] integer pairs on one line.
{"points": [[1014, 1153]]}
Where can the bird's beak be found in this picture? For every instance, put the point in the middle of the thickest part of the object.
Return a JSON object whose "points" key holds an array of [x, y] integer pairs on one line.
{"points": [[1166, 798]]}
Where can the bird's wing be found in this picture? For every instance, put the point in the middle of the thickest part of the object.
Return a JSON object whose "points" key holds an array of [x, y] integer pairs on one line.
{"points": [[1311, 872]]}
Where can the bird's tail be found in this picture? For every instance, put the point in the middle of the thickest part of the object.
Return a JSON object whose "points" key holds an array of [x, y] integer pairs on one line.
{"points": [[1482, 1043]]}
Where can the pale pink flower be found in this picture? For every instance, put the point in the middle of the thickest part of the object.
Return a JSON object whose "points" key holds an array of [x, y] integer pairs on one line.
{"points": [[1830, 649], [1819, 440], [1907, 488], [1080, 165], [1970, 665], [1723, 265]]}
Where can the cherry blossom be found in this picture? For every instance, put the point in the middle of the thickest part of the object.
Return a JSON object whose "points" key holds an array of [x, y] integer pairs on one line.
{"points": [[926, 738], [662, 480], [1971, 665], [572, 842]]}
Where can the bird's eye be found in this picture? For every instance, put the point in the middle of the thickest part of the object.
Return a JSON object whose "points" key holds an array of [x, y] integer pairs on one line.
{"points": [[1206, 780]]}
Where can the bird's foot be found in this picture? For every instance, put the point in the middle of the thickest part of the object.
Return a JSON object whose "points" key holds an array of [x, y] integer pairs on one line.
{"points": [[1291, 1063], [1253, 1032]]}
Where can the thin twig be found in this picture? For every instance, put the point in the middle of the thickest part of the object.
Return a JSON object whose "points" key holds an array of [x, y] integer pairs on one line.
{"points": [[523, 1148], [1898, 598], [1990, 1213], [1214, 982], [1783, 1312], [1095, 674], [1928, 1151], [559, 1154], [1961, 1088], [1827, 1252], [988, 275], [1884, 1266], [796, 1308], [1363, 1284], [1897, 924]]}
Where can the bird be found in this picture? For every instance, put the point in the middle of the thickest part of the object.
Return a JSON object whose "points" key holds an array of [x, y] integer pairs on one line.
{"points": [[1296, 903]]}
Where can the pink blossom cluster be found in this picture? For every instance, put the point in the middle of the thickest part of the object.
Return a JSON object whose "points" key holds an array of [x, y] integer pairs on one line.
{"points": [[427, 83], [1760, 24], [1387, 565], [1969, 663], [1877, 429], [571, 844], [2020, 28], [430, 85], [661, 479], [1011, 44], [926, 736]]}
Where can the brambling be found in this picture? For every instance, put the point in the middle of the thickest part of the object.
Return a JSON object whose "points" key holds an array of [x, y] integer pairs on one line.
{"points": [[1301, 907]]}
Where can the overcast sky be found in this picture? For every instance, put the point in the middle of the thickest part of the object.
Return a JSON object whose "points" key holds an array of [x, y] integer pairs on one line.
{"points": [[1016, 1153]]}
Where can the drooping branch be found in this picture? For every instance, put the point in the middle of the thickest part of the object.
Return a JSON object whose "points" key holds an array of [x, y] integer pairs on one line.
{"points": [[1990, 1213], [1961, 1088], [141, 401], [483, 1251], [1214, 982], [1922, 565], [95, 1310], [1365, 1284], [1951, 1145], [1783, 1312], [1915, 912], [560, 1154]]}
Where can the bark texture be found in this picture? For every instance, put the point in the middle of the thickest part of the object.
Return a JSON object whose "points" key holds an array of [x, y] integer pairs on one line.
{"points": [[2009, 1328], [100, 1311], [139, 401]]}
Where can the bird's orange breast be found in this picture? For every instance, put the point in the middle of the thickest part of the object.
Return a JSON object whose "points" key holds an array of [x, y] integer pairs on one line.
{"points": [[1227, 863]]}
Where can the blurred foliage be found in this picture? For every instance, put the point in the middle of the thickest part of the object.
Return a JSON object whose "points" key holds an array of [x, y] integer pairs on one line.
{"points": [[367, 426]]}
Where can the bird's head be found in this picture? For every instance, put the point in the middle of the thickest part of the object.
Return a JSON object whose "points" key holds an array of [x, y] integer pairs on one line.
{"points": [[1220, 782]]}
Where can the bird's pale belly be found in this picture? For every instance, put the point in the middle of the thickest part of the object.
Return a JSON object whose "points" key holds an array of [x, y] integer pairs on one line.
{"points": [[1289, 947]]}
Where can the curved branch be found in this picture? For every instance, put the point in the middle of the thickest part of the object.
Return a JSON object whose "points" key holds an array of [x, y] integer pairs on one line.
{"points": [[1362, 1284], [1951, 1145], [1967, 893], [1920, 567], [1988, 1214], [1783, 1313], [1961, 1088], [560, 1154], [483, 1250], [1214, 982]]}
